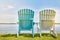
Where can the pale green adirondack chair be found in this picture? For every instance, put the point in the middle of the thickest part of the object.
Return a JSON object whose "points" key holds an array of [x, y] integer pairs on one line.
{"points": [[25, 17], [47, 22]]}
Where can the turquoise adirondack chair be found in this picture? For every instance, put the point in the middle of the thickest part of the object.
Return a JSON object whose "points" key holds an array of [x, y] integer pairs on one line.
{"points": [[25, 17], [47, 21]]}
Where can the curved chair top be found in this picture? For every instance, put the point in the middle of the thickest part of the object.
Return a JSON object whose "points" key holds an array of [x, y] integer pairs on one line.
{"points": [[25, 10], [47, 14], [25, 14]]}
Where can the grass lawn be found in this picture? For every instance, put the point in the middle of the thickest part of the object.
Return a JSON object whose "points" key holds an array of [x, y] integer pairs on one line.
{"points": [[28, 37]]}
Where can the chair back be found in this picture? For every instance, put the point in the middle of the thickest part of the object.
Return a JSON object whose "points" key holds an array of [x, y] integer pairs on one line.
{"points": [[25, 19], [47, 18]]}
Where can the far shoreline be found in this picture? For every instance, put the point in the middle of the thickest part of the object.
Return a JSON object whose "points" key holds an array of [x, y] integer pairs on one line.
{"points": [[18, 23]]}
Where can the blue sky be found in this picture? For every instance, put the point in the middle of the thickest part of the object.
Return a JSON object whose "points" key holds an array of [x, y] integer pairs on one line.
{"points": [[9, 8]]}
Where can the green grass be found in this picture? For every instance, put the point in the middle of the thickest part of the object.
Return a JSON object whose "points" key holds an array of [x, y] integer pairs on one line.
{"points": [[28, 37]]}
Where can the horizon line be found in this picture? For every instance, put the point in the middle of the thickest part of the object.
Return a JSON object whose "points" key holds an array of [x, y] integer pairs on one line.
{"points": [[18, 23]]}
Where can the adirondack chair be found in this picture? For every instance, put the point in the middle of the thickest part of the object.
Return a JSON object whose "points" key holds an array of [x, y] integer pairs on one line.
{"points": [[47, 22], [25, 17]]}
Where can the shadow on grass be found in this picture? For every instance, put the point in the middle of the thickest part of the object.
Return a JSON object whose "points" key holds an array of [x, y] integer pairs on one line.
{"points": [[27, 35], [36, 35], [48, 35]]}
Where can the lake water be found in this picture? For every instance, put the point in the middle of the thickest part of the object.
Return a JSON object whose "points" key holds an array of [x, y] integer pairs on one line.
{"points": [[12, 28]]}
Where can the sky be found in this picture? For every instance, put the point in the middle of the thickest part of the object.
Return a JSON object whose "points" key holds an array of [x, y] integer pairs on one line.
{"points": [[9, 8]]}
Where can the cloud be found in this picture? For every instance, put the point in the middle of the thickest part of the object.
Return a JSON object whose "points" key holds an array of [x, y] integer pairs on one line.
{"points": [[6, 7]]}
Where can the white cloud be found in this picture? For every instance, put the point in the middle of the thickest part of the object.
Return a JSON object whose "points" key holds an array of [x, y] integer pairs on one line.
{"points": [[10, 6], [6, 7]]}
